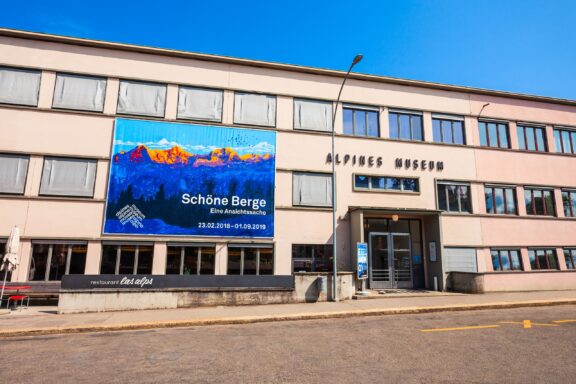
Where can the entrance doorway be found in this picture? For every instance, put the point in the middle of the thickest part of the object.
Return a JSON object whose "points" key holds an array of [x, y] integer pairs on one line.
{"points": [[390, 263]]}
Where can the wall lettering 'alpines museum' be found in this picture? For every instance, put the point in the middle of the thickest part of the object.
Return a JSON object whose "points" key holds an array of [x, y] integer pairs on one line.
{"points": [[210, 179]]}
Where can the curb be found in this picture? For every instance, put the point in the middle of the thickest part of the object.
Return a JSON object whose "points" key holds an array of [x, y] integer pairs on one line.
{"points": [[264, 319]]}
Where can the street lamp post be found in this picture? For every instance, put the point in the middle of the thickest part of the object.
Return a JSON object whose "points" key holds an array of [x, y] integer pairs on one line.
{"points": [[334, 243]]}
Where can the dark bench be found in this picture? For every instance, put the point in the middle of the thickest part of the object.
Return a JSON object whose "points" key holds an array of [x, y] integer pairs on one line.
{"points": [[45, 291]]}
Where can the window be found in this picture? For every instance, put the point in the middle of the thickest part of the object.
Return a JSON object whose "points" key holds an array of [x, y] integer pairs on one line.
{"points": [[312, 189], [312, 258], [447, 129], [200, 104], [539, 201], [68, 177], [361, 121], [190, 260], [51, 261], [406, 125], [493, 134], [313, 115], [2, 253], [138, 98], [570, 257], [500, 199], [531, 138], [79, 92], [569, 201], [543, 259], [565, 140], [253, 109], [244, 259], [454, 197], [385, 183], [126, 259], [19, 86], [13, 171], [506, 260]]}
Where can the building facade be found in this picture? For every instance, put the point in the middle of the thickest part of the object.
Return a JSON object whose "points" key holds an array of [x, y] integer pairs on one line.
{"points": [[434, 178]]}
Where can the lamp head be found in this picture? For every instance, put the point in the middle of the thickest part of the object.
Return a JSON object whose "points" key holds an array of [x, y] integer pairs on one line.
{"points": [[357, 59]]}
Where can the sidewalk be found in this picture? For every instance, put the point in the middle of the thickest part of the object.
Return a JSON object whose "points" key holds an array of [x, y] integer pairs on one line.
{"points": [[44, 320]]}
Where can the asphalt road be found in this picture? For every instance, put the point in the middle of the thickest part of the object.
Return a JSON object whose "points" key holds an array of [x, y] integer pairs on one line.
{"points": [[384, 349]]}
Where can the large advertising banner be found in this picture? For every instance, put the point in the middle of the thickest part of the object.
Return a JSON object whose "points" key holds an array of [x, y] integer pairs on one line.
{"points": [[190, 180]]}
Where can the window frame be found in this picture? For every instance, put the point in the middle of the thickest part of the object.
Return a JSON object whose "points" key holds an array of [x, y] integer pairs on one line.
{"points": [[30, 70], [242, 247], [572, 210], [51, 245], [509, 256], [537, 261], [533, 211], [572, 137], [304, 99], [524, 128], [455, 183], [452, 120], [95, 77], [199, 247], [119, 246], [401, 112], [487, 133], [178, 117], [3, 242], [25, 177], [379, 190], [329, 175], [570, 258], [365, 109], [313, 265], [493, 188], [140, 114], [69, 158], [275, 125]]}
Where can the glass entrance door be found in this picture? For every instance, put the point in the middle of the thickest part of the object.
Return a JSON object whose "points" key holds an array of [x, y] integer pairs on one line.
{"points": [[390, 260]]}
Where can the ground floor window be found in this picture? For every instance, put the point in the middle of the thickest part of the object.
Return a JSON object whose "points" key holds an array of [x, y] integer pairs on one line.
{"points": [[312, 257], [126, 259], [506, 260], [250, 259], [51, 261], [570, 256], [543, 258], [2, 253], [190, 259]]}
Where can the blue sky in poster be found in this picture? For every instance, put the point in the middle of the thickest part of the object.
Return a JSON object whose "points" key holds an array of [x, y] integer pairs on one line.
{"points": [[196, 139]]}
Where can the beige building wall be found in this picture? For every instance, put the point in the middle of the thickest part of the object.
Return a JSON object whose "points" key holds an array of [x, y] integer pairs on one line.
{"points": [[44, 131]]}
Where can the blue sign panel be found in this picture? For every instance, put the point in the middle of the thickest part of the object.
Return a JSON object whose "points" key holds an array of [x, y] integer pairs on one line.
{"points": [[362, 257], [181, 179]]}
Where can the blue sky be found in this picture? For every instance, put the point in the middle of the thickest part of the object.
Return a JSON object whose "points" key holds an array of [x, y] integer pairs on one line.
{"points": [[196, 139], [522, 46]]}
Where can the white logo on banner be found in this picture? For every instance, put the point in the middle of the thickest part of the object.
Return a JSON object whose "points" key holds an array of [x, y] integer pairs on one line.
{"points": [[131, 214]]}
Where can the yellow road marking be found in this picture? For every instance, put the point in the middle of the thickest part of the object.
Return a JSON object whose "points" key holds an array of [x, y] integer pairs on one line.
{"points": [[459, 328], [564, 321], [529, 324]]}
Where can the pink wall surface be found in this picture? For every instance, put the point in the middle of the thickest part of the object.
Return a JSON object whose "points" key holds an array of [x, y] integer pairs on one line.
{"points": [[44, 131]]}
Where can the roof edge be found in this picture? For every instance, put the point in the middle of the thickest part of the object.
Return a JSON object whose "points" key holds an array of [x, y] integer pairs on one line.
{"points": [[273, 65]]}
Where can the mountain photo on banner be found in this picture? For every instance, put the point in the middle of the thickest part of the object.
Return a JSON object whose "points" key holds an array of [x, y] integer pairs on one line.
{"points": [[184, 179]]}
